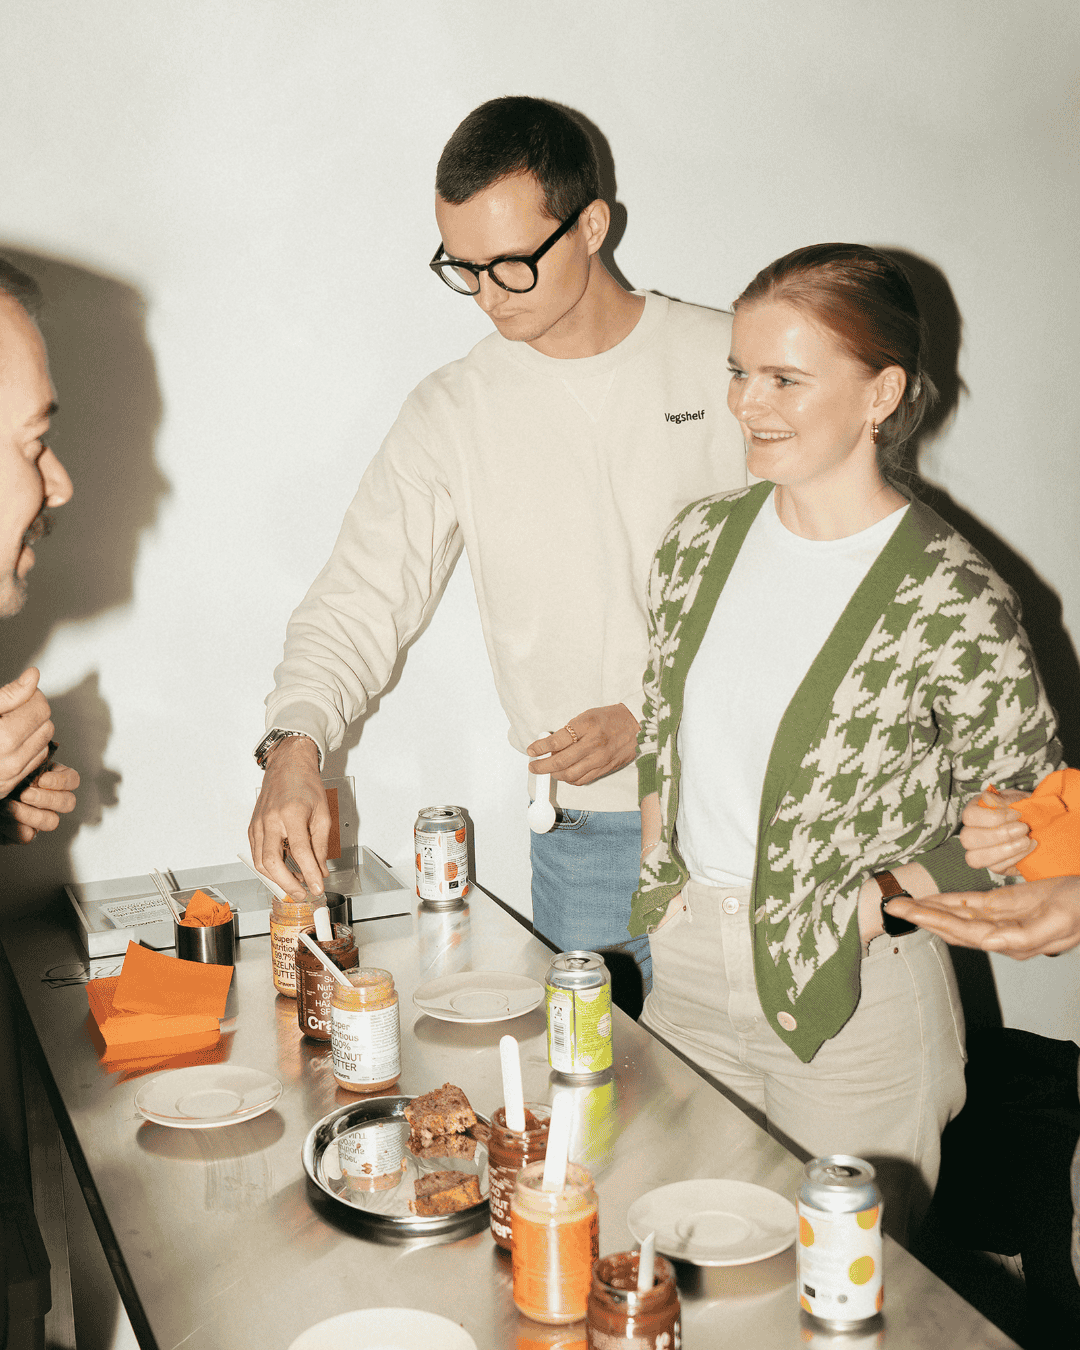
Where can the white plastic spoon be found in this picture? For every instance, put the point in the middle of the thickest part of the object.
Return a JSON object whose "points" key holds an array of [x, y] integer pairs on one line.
{"points": [[271, 886], [646, 1264], [318, 951], [513, 1095], [541, 813], [324, 930], [558, 1145]]}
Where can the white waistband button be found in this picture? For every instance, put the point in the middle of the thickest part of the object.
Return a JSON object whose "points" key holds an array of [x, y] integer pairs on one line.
{"points": [[730, 904]]}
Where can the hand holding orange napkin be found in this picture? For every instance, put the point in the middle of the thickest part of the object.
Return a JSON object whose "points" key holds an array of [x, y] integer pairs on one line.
{"points": [[203, 911], [1052, 815]]}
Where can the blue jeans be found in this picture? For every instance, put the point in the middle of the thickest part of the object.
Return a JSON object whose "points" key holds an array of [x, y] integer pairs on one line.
{"points": [[584, 871]]}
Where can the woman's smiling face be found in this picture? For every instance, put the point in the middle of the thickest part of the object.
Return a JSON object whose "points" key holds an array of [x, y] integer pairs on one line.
{"points": [[804, 403]]}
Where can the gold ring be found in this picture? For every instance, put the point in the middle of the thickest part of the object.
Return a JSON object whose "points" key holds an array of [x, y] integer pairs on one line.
{"points": [[573, 734]]}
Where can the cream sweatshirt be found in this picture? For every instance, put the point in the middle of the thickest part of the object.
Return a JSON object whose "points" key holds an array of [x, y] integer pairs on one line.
{"points": [[599, 453]]}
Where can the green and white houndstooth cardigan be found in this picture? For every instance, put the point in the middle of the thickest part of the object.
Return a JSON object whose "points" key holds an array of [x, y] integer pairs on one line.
{"points": [[924, 692]]}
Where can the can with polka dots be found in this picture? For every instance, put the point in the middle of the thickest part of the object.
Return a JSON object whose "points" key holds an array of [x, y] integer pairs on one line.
{"points": [[838, 1253], [440, 842]]}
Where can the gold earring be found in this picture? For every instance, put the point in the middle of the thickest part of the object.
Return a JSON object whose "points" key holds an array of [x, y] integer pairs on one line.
{"points": [[873, 433]]}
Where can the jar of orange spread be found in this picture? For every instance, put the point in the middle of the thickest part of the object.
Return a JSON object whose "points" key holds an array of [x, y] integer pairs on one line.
{"points": [[555, 1238], [287, 918], [365, 1038]]}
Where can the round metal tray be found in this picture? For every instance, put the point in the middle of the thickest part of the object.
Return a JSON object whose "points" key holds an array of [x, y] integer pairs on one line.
{"points": [[358, 1162]]}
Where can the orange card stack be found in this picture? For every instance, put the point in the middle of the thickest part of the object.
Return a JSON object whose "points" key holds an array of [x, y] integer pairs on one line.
{"points": [[159, 1005]]}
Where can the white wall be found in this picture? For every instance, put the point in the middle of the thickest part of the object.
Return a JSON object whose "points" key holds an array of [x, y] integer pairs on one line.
{"points": [[230, 203]]}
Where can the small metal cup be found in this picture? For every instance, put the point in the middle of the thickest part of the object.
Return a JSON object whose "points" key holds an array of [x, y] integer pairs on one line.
{"points": [[217, 946], [338, 905]]}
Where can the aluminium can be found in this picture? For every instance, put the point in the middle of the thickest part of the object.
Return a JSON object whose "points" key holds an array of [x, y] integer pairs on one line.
{"points": [[839, 1276], [440, 843], [578, 990]]}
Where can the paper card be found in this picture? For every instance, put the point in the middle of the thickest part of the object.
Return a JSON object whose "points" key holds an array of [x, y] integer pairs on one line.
{"points": [[138, 912]]}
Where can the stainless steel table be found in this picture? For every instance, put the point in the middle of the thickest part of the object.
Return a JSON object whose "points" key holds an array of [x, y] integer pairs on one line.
{"points": [[212, 1237]]}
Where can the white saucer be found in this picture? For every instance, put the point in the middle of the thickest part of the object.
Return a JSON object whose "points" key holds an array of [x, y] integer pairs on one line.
{"points": [[385, 1329], [715, 1223], [479, 996], [205, 1096]]}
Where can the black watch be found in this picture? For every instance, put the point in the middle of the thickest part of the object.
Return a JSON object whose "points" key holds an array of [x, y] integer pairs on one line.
{"points": [[892, 890]]}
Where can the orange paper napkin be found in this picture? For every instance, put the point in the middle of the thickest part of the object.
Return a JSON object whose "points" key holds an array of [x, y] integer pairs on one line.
{"points": [[1052, 815], [152, 982], [131, 1034], [203, 911]]}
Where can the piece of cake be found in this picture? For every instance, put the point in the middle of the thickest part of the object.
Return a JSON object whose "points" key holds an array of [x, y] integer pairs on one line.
{"points": [[445, 1146], [444, 1111], [445, 1193]]}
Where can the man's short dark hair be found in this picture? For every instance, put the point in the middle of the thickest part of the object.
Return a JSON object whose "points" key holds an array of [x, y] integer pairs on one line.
{"points": [[513, 135], [20, 287]]}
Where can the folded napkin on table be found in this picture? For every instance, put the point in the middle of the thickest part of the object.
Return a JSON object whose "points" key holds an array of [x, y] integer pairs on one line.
{"points": [[132, 1035], [1052, 815], [205, 912], [151, 982]]}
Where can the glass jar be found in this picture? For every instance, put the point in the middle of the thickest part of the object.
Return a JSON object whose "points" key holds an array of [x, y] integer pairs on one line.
{"points": [[508, 1152], [365, 1038], [619, 1316], [555, 1239], [287, 918], [315, 984]]}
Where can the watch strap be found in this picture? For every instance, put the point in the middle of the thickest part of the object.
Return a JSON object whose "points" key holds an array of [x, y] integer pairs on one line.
{"points": [[273, 738], [892, 890]]}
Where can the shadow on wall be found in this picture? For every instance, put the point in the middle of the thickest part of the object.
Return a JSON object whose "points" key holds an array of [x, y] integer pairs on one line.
{"points": [[608, 191], [110, 408], [1041, 605]]}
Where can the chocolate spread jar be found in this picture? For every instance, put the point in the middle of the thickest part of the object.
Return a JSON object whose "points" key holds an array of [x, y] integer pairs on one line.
{"points": [[620, 1318], [315, 984], [508, 1152]]}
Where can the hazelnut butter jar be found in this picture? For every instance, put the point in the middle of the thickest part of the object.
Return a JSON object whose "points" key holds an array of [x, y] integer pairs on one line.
{"points": [[287, 919], [315, 984], [365, 1039], [621, 1318], [508, 1152]]}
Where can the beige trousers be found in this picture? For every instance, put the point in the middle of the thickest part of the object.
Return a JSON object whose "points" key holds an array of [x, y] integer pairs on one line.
{"points": [[883, 1088]]}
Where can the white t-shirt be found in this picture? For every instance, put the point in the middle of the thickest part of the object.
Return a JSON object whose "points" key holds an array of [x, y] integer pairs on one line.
{"points": [[778, 607]]}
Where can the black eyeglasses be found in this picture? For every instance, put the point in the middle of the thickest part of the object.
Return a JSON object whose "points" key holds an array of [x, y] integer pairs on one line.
{"points": [[510, 272]]}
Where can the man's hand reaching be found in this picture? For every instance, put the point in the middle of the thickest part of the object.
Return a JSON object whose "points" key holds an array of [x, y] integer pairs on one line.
{"points": [[292, 807]]}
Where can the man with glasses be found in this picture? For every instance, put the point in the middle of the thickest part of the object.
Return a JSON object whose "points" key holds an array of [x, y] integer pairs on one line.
{"points": [[574, 433]]}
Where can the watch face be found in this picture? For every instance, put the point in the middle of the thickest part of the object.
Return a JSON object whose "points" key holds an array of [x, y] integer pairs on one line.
{"points": [[892, 923]]}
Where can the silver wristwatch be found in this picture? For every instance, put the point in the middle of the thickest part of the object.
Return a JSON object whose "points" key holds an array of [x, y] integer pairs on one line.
{"points": [[272, 738]]}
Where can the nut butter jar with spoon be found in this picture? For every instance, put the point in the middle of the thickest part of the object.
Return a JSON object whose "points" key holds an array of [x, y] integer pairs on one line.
{"points": [[315, 984]]}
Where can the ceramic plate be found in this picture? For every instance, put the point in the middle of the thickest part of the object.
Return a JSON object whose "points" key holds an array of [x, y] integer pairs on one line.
{"points": [[715, 1223], [479, 996], [385, 1329], [206, 1096]]}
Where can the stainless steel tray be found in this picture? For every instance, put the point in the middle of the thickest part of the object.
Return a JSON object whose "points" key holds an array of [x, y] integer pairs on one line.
{"points": [[358, 1163]]}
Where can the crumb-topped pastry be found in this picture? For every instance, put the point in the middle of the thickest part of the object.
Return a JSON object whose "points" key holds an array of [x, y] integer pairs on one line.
{"points": [[445, 1146], [445, 1193], [444, 1111]]}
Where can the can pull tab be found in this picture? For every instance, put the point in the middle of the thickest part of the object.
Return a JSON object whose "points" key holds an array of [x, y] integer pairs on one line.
{"points": [[838, 1172]]}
